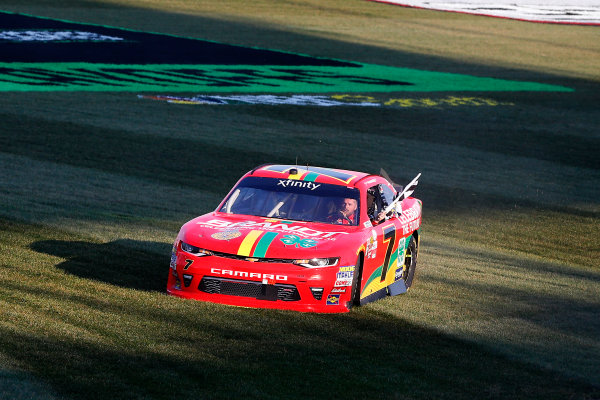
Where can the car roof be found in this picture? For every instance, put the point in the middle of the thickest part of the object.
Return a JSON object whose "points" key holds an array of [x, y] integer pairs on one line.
{"points": [[309, 173]]}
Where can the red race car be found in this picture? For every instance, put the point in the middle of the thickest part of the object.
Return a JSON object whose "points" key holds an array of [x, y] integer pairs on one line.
{"points": [[301, 238]]}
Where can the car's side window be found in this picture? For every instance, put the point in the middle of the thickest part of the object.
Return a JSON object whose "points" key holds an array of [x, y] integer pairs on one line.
{"points": [[375, 203], [388, 195]]}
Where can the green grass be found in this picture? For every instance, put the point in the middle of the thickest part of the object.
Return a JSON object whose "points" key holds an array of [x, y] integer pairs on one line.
{"points": [[94, 186], [90, 318]]}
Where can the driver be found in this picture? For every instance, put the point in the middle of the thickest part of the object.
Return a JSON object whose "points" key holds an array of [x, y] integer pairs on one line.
{"points": [[375, 214], [346, 214]]}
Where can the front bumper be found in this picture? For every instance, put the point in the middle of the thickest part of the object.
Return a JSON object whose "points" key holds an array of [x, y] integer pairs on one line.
{"points": [[261, 284]]}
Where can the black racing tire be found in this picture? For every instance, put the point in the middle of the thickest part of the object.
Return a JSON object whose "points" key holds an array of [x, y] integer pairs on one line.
{"points": [[355, 296], [410, 262]]}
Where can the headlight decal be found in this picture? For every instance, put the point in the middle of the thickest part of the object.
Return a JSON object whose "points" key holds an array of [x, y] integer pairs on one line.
{"points": [[317, 262], [197, 251]]}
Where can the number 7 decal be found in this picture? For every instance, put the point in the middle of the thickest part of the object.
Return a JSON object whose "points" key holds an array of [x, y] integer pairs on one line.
{"points": [[389, 238]]}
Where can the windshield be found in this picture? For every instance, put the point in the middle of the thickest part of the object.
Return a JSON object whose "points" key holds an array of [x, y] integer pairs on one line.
{"points": [[293, 199]]}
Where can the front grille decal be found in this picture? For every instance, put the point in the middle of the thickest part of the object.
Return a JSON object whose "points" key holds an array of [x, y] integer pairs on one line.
{"points": [[251, 289]]}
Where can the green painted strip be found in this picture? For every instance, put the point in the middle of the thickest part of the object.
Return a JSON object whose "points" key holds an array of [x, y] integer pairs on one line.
{"points": [[245, 79], [393, 258], [375, 275], [264, 243], [311, 176]]}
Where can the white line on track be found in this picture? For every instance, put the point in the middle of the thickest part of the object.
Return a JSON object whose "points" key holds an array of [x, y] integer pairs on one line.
{"points": [[583, 12]]}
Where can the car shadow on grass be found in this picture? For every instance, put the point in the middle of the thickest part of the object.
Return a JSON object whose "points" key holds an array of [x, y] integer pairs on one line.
{"points": [[126, 263], [179, 349], [242, 353]]}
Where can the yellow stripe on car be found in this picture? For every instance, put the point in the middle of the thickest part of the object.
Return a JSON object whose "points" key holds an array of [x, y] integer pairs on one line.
{"points": [[248, 242]]}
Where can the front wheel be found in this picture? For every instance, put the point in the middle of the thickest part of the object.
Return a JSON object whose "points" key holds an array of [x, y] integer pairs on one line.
{"points": [[410, 262]]}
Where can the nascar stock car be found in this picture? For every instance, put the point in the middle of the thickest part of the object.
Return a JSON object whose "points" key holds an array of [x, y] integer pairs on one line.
{"points": [[301, 238]]}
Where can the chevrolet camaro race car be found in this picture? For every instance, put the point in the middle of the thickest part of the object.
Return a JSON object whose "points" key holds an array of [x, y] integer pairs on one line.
{"points": [[301, 238]]}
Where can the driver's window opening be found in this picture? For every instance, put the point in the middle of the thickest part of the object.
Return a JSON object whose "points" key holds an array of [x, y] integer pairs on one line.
{"points": [[376, 203]]}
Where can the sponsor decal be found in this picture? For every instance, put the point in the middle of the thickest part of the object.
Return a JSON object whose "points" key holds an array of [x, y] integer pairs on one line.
{"points": [[226, 235], [82, 76], [410, 219], [411, 226], [177, 283], [343, 282], [333, 299], [401, 247], [338, 290], [96, 61], [48, 35], [399, 272], [298, 242], [344, 276], [248, 275], [312, 174], [352, 100], [444, 102], [299, 230], [295, 183], [410, 213], [400, 257], [372, 245]]}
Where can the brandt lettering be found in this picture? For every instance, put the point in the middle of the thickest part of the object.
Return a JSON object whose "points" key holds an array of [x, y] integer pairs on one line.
{"points": [[271, 227]]}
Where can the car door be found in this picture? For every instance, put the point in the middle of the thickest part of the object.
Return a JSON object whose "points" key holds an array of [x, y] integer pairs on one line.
{"points": [[395, 261], [382, 253]]}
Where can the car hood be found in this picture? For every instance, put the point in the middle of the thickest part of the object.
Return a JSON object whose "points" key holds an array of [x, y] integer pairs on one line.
{"points": [[265, 237]]}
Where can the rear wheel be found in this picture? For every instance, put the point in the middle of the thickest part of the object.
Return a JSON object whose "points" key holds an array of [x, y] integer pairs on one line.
{"points": [[355, 297], [410, 262]]}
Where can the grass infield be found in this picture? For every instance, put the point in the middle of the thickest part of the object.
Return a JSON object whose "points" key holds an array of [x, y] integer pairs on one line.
{"points": [[94, 186]]}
